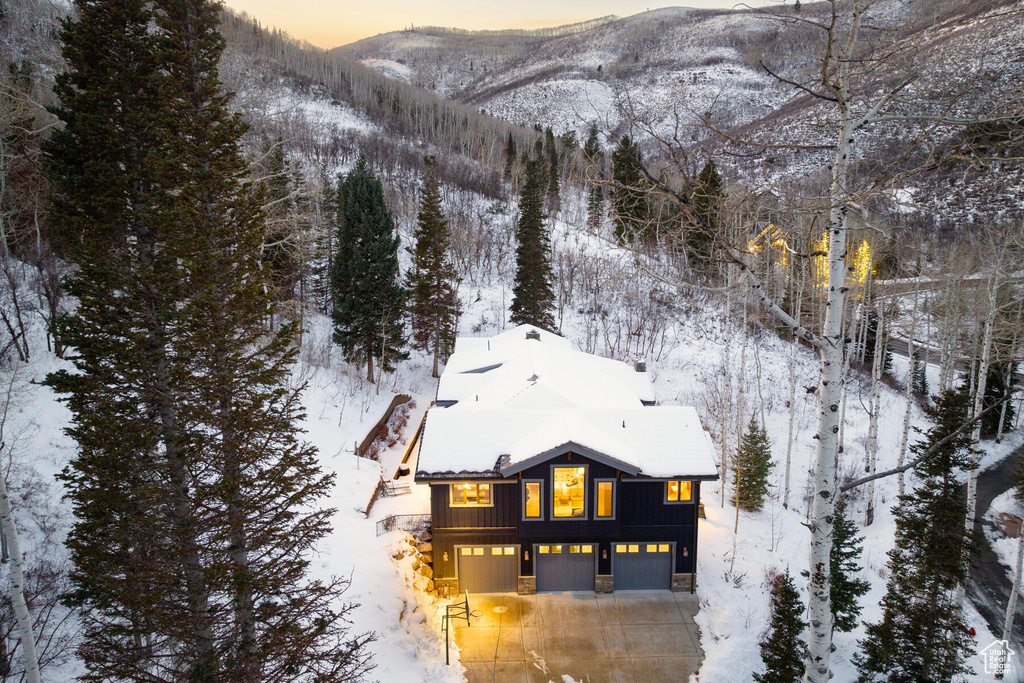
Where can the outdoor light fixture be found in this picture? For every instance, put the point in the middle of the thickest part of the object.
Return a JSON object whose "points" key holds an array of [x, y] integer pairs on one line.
{"points": [[686, 552], [446, 555], [604, 554]]}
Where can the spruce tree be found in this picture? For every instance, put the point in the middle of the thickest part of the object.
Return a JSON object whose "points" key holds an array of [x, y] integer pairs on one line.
{"points": [[533, 297], [870, 335], [1000, 383], [781, 650], [919, 376], [923, 634], [707, 203], [279, 248], [369, 302], [630, 204], [847, 589], [510, 156], [432, 280], [595, 193], [551, 152], [752, 466], [191, 489]]}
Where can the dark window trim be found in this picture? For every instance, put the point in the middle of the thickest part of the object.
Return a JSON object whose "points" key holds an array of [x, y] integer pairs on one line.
{"points": [[522, 500], [586, 495], [615, 495]]}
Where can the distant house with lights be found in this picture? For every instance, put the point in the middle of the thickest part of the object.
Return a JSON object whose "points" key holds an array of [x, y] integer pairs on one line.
{"points": [[551, 469]]}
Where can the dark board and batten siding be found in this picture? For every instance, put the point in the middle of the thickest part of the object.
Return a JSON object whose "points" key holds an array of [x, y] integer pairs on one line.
{"points": [[504, 512]]}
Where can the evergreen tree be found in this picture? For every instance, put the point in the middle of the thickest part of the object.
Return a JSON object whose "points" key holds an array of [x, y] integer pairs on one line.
{"points": [[533, 297], [1000, 383], [752, 466], [595, 193], [870, 335], [782, 650], [369, 302], [707, 203], [279, 248], [630, 204], [432, 280], [847, 589], [919, 376], [923, 635], [551, 150], [510, 156], [191, 489]]}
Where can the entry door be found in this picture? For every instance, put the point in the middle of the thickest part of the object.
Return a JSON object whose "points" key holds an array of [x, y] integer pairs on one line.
{"points": [[488, 569], [642, 566], [565, 567]]}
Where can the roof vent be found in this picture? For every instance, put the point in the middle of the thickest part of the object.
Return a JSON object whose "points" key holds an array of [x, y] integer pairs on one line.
{"points": [[533, 334], [533, 378], [640, 366]]}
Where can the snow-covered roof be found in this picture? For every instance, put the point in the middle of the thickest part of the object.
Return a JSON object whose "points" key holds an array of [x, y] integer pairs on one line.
{"points": [[513, 400]]}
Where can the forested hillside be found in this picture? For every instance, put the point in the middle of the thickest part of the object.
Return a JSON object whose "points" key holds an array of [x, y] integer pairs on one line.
{"points": [[233, 265]]}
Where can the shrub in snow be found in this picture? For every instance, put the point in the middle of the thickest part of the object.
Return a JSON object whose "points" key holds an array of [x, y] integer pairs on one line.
{"points": [[782, 647]]}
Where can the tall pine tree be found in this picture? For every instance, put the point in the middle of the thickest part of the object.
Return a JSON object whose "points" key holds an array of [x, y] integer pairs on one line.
{"points": [[369, 302], [847, 589], [781, 650], [191, 489], [630, 203], [752, 467], [432, 281], [533, 298], [923, 634], [595, 193], [707, 203]]}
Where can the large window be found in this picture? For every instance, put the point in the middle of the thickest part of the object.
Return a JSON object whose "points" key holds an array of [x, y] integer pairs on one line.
{"points": [[471, 494], [677, 492], [531, 499], [605, 498], [569, 492]]}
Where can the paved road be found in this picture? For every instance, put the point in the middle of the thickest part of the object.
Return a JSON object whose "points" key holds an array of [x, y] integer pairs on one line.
{"points": [[988, 586]]}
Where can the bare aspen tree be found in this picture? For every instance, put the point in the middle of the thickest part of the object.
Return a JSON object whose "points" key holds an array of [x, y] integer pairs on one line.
{"points": [[17, 587], [871, 451], [909, 388]]}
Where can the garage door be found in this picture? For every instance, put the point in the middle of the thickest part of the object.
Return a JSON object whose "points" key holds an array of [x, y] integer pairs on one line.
{"points": [[566, 567], [642, 566], [489, 569]]}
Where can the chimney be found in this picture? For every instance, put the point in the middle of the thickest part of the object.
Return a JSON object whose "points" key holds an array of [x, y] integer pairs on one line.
{"points": [[640, 366], [533, 334]]}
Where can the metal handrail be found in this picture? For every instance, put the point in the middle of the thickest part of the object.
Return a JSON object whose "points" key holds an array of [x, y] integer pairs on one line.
{"points": [[402, 522]]}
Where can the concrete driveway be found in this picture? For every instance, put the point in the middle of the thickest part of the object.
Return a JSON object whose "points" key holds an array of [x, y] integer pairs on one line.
{"points": [[629, 637]]}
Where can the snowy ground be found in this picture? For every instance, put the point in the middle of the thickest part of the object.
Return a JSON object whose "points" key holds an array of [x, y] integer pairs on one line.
{"points": [[685, 357]]}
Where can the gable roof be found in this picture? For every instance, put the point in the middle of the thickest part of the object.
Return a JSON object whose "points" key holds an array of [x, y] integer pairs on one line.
{"points": [[513, 402]]}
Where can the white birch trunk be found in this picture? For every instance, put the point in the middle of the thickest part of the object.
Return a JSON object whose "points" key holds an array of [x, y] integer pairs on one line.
{"points": [[28, 641], [792, 390], [830, 391], [726, 390], [1011, 606], [871, 455], [909, 392]]}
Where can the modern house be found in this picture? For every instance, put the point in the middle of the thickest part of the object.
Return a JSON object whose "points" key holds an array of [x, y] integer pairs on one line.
{"points": [[551, 469]]}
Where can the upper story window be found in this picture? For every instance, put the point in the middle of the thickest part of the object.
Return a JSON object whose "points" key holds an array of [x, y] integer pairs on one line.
{"points": [[677, 492], [605, 508], [531, 499], [569, 486], [471, 494]]}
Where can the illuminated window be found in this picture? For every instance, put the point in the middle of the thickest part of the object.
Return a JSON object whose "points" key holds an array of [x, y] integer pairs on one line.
{"points": [[652, 548], [677, 492], [605, 499], [569, 492], [531, 499], [634, 548], [471, 494], [620, 548], [543, 550], [663, 548]]}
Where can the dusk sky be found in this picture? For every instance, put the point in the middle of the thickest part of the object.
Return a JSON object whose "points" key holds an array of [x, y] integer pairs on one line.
{"points": [[329, 23]]}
